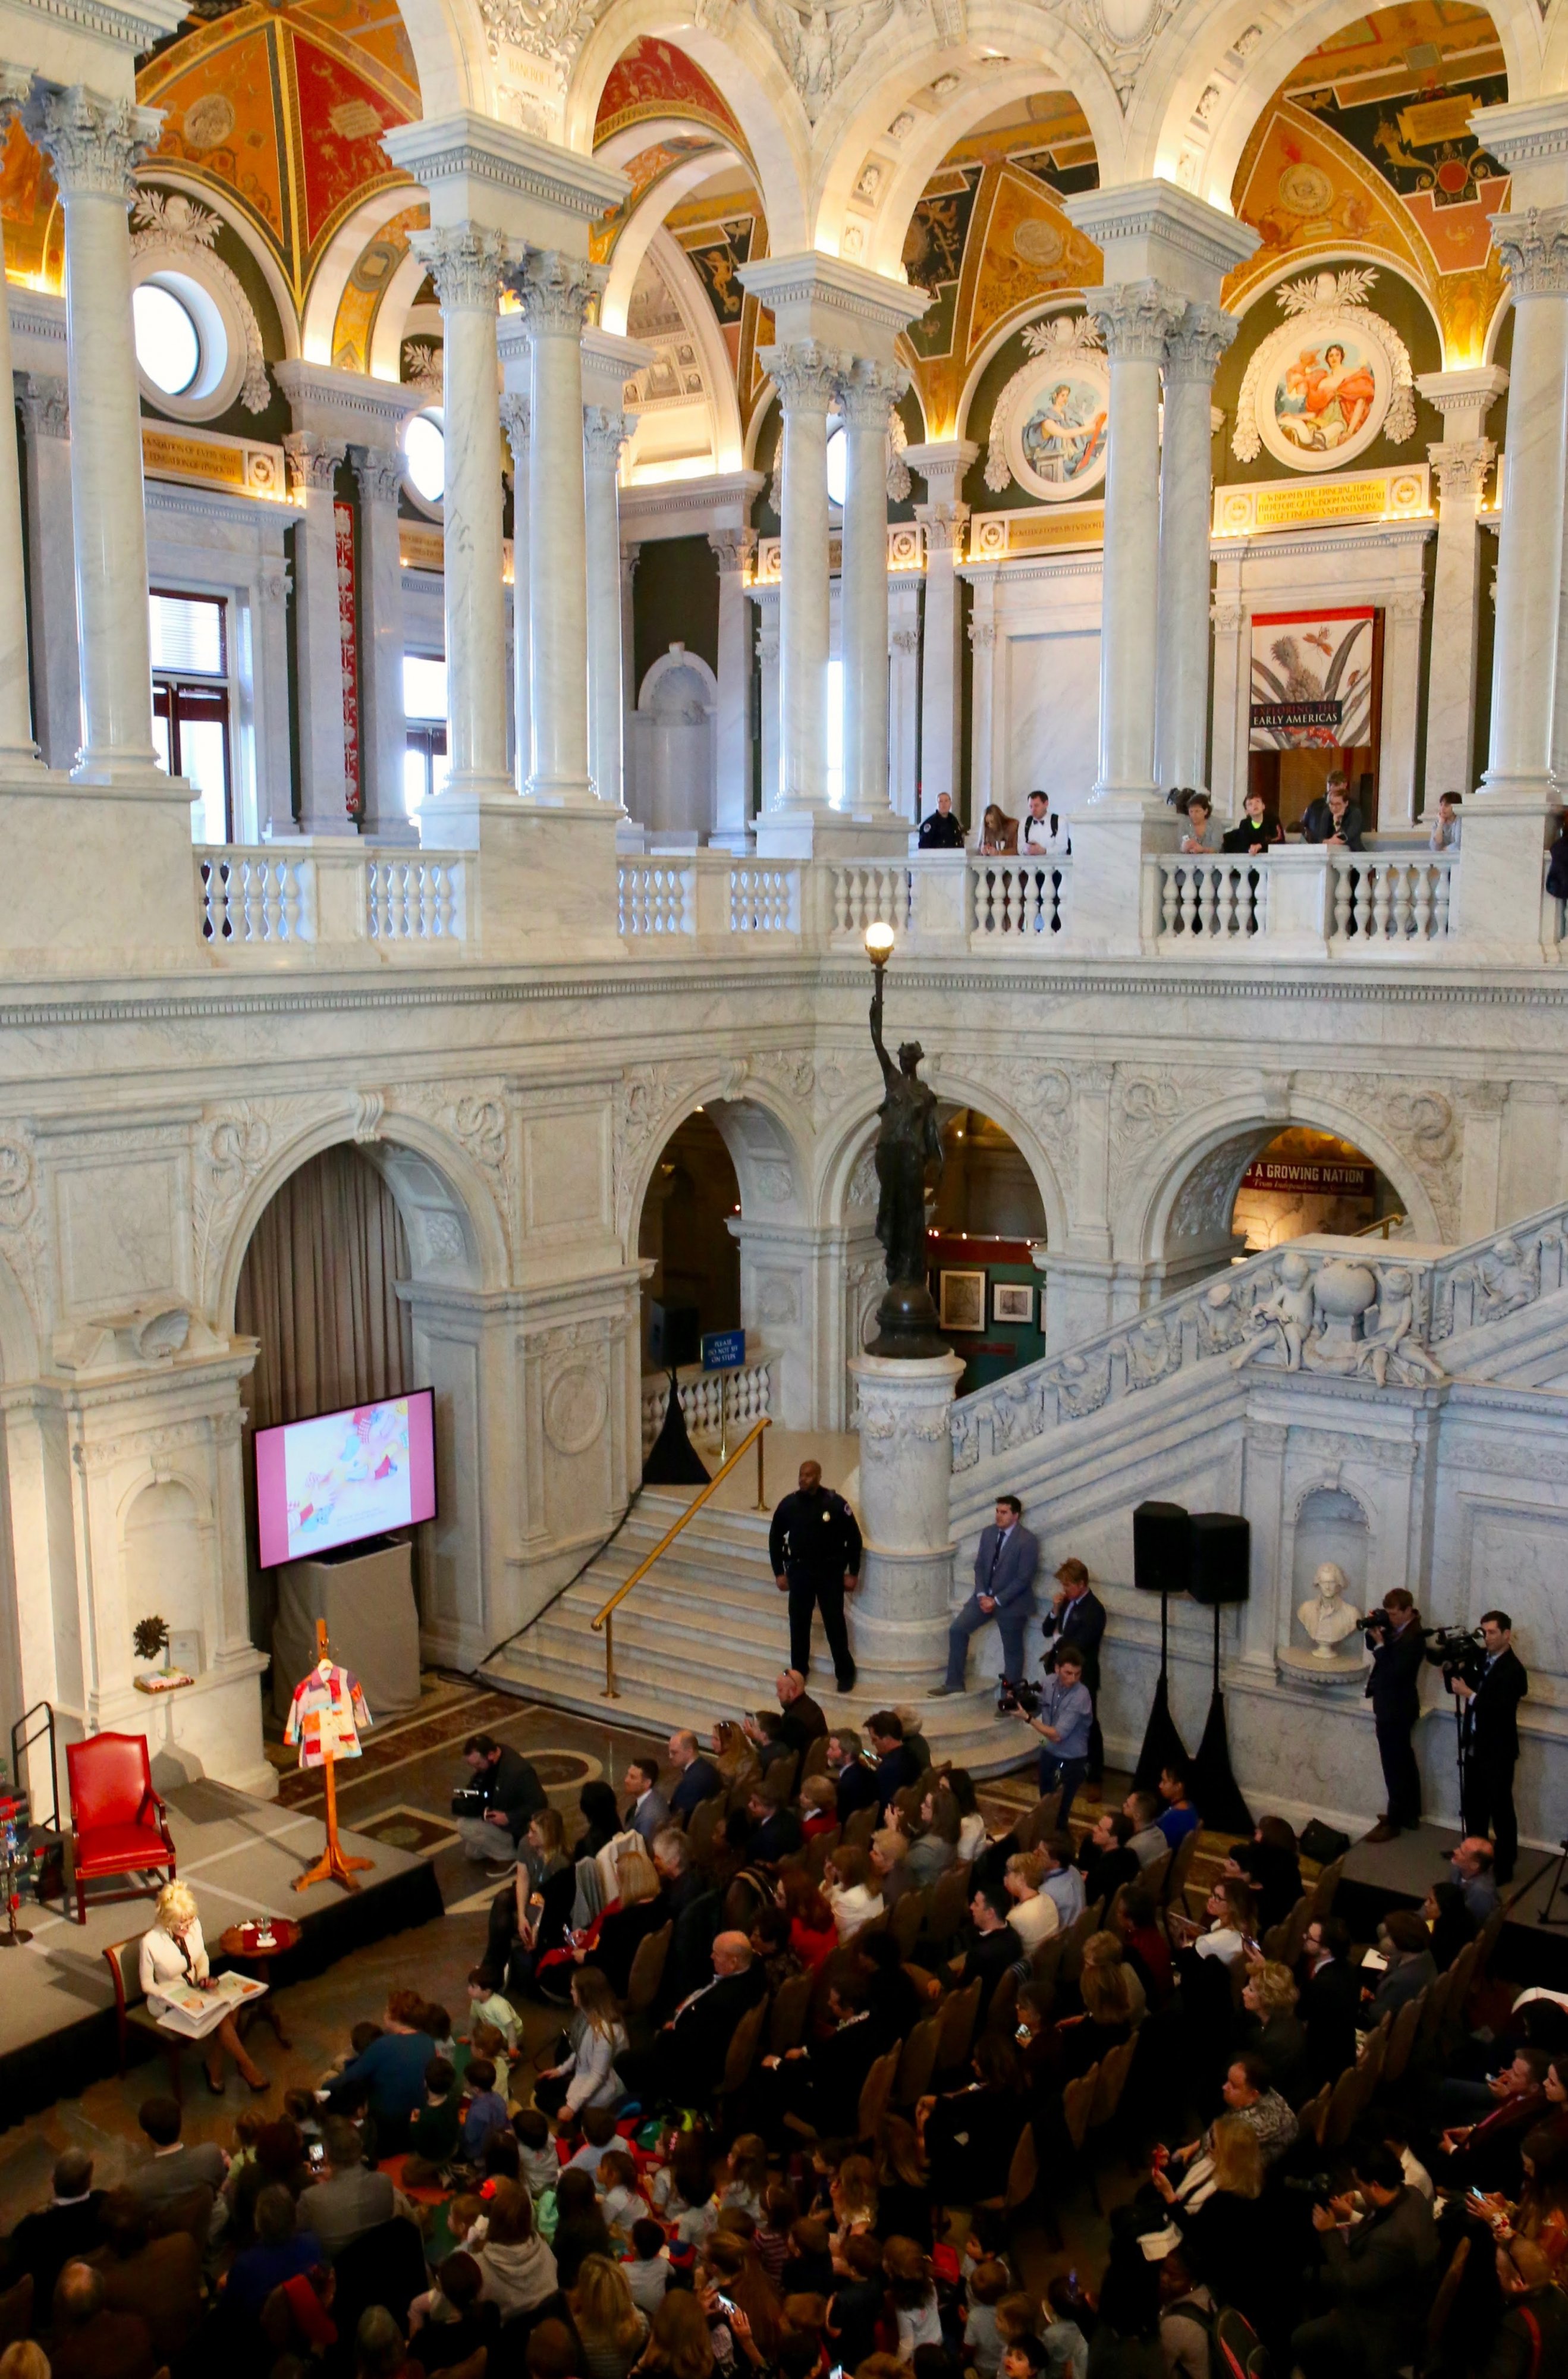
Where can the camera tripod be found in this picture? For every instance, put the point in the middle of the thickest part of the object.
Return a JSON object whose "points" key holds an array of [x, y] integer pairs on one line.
{"points": [[1554, 1887]]}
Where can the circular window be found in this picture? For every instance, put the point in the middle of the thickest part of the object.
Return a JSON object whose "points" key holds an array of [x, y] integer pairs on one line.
{"points": [[838, 460], [424, 444], [168, 345]]}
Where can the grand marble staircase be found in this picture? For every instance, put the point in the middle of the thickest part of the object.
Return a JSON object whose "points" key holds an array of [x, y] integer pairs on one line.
{"points": [[702, 1636], [1157, 1407]]}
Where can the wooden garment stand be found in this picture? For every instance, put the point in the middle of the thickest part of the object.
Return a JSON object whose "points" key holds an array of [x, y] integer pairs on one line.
{"points": [[334, 1865]]}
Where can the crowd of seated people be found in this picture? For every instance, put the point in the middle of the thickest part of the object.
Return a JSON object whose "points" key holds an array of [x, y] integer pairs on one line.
{"points": [[805, 2083]]}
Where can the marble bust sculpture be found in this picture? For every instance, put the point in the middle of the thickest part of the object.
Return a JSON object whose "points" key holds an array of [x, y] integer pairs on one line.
{"points": [[1326, 1615]]}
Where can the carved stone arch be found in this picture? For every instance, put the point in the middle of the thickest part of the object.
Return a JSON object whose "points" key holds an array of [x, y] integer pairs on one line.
{"points": [[430, 1174], [1181, 1191], [1041, 53], [452, 56], [767, 1139], [734, 52], [1246, 48], [962, 1084]]}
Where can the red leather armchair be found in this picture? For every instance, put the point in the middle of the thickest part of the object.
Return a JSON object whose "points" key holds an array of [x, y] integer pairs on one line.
{"points": [[118, 1824]]}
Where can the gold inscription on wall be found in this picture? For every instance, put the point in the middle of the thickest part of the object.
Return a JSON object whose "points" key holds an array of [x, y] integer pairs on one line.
{"points": [[1328, 499], [192, 458], [1080, 526]]}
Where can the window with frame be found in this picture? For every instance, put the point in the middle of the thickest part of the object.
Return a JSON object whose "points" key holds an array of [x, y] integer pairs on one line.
{"points": [[192, 704], [424, 708]]}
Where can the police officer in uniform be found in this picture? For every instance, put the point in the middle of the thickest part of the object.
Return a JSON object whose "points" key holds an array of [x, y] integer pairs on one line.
{"points": [[815, 1547]]}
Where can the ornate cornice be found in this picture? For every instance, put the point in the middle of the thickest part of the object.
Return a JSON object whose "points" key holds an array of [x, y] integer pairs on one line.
{"points": [[472, 148]]}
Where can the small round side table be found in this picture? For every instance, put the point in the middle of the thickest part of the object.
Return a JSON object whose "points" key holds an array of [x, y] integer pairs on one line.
{"points": [[239, 1951]]}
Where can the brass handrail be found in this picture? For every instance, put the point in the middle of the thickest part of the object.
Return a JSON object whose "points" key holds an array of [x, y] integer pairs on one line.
{"points": [[752, 1437], [1381, 1228]]}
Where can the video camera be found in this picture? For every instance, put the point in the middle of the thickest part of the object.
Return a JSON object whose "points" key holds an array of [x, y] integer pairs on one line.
{"points": [[1458, 1652], [470, 1800], [1022, 1698]]}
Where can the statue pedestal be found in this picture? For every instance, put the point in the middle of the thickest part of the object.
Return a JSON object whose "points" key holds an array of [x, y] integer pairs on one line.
{"points": [[1345, 1670], [906, 1468]]}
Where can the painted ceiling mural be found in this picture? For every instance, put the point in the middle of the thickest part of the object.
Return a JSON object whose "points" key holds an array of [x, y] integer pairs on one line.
{"points": [[1366, 150], [278, 108]]}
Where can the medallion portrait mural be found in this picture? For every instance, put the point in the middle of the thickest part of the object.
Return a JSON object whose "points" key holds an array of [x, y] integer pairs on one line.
{"points": [[1328, 381], [1049, 431]]}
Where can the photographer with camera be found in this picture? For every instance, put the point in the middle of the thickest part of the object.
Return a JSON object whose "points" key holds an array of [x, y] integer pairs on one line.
{"points": [[1062, 1712], [1491, 1685], [492, 1812], [1397, 1642]]}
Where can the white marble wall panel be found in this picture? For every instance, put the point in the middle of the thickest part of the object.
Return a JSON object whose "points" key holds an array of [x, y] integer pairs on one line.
{"points": [[1044, 668]]}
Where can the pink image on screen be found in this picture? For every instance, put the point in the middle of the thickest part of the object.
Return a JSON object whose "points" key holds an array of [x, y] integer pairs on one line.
{"points": [[340, 1477]]}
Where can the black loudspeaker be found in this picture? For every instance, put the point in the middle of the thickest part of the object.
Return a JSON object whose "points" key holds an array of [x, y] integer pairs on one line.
{"points": [[1219, 1557], [674, 1335], [1162, 1549]]}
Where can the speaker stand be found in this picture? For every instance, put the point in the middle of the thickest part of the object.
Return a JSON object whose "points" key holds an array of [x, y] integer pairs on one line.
{"points": [[674, 1460], [1163, 1746], [1214, 1787]]}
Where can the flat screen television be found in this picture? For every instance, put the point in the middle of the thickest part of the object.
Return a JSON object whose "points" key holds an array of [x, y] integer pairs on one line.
{"points": [[340, 1477]]}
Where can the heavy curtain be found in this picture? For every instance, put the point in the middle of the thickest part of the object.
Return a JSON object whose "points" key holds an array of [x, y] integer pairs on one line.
{"points": [[317, 1289]]}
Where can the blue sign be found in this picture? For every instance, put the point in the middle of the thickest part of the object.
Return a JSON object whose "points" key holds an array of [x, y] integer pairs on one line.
{"points": [[724, 1350]]}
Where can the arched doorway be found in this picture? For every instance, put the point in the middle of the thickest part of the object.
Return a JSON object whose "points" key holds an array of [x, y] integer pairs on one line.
{"points": [[318, 1291], [985, 1218], [1306, 1180], [682, 1227]]}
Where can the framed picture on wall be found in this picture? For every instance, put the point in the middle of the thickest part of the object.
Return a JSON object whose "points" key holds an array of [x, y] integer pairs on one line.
{"points": [[1013, 1300], [963, 1300]]}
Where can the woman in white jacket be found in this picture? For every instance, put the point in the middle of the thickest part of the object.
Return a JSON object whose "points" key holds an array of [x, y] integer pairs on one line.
{"points": [[852, 1893], [586, 2076], [173, 1955]]}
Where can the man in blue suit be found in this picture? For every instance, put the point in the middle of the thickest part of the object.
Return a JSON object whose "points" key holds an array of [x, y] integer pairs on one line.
{"points": [[1003, 1590]]}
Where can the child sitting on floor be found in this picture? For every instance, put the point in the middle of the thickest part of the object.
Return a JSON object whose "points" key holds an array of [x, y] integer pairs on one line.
{"points": [[988, 2284], [598, 2137], [647, 2270], [539, 2164], [485, 2111], [487, 2005], [620, 2201], [433, 2134]]}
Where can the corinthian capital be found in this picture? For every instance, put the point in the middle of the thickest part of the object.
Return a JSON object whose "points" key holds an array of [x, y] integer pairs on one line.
{"points": [[312, 460], [1533, 249], [868, 391], [94, 144], [605, 432], [734, 548], [1462, 467], [1135, 318], [554, 291], [379, 470], [1194, 347], [466, 264], [805, 375]]}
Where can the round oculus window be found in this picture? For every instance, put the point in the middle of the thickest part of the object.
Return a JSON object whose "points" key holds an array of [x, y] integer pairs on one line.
{"points": [[168, 345], [424, 446]]}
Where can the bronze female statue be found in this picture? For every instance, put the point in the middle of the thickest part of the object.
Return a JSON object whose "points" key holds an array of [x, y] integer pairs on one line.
{"points": [[907, 1141]]}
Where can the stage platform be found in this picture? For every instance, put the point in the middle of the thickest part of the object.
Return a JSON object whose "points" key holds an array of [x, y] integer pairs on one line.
{"points": [[1380, 1875], [240, 1857]]}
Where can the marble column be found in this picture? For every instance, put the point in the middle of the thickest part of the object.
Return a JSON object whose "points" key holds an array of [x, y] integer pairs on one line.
{"points": [[17, 748], [899, 1616], [555, 289], [605, 433], [903, 701], [1181, 708], [93, 145], [944, 518], [1460, 466], [629, 559], [514, 421], [1505, 821], [805, 376], [733, 548], [51, 593], [383, 725], [867, 394], [1137, 319], [312, 461], [768, 736], [467, 262]]}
